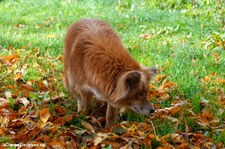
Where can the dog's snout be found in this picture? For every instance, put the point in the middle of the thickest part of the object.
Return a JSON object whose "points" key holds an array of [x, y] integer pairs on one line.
{"points": [[152, 110]]}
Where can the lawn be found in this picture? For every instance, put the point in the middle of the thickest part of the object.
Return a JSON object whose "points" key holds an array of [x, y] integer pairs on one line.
{"points": [[184, 39]]}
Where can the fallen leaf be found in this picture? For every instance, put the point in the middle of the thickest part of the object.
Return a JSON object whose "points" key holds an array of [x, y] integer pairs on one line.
{"points": [[118, 130], [9, 60], [61, 110], [44, 115], [221, 94], [20, 25], [128, 146], [46, 126], [56, 145], [27, 87], [169, 86], [146, 36], [52, 36], [24, 101], [22, 110], [100, 137], [28, 123], [216, 57], [4, 103], [4, 120], [88, 126], [94, 121], [8, 94]]}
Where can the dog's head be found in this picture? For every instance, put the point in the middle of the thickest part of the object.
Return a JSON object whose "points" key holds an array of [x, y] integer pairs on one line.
{"points": [[132, 90]]}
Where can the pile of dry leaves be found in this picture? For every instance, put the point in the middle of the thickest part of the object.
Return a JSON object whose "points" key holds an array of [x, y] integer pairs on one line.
{"points": [[34, 113]]}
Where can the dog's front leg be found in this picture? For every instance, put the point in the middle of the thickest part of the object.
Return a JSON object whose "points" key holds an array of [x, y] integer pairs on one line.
{"points": [[111, 115]]}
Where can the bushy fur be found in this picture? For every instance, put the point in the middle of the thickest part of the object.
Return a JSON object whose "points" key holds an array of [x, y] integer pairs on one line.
{"points": [[96, 63]]}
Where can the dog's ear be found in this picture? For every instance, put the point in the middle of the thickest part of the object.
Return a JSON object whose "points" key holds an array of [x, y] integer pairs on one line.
{"points": [[132, 79], [127, 82], [150, 71]]}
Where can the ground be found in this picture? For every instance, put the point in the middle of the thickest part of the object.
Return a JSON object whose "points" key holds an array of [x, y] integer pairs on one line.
{"points": [[184, 39]]}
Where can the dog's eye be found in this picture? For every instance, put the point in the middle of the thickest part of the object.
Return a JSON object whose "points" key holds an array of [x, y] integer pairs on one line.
{"points": [[142, 94]]}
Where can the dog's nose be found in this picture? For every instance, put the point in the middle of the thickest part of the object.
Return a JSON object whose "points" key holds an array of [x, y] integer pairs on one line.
{"points": [[152, 110]]}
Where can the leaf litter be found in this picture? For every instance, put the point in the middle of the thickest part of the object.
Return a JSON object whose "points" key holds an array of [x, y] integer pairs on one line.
{"points": [[34, 111]]}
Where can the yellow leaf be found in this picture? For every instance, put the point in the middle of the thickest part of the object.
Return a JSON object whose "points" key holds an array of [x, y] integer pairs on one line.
{"points": [[18, 76], [132, 127], [52, 36], [206, 79], [216, 57], [44, 115], [100, 137], [145, 36]]}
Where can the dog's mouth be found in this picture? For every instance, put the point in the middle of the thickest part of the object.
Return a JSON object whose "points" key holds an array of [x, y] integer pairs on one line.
{"points": [[135, 109]]}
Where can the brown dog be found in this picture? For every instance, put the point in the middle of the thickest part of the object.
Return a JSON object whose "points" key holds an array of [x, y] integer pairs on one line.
{"points": [[96, 63]]}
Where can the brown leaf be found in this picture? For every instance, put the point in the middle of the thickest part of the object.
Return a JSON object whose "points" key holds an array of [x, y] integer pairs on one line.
{"points": [[9, 60], [145, 36], [161, 77], [100, 137], [55, 127], [176, 108], [69, 117], [43, 138], [177, 138], [128, 146], [1, 132], [184, 145], [28, 123], [221, 94], [44, 115], [59, 120], [96, 123], [45, 126], [4, 103], [169, 86], [88, 126], [61, 110], [22, 110], [159, 94], [20, 25], [56, 145], [27, 87]]}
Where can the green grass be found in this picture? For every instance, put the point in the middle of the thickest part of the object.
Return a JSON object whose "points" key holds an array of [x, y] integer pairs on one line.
{"points": [[179, 34]]}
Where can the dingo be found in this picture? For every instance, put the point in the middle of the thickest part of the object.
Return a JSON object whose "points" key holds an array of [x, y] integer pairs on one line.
{"points": [[96, 63]]}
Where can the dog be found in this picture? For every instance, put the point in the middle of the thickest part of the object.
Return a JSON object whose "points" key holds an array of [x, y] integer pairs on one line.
{"points": [[96, 63]]}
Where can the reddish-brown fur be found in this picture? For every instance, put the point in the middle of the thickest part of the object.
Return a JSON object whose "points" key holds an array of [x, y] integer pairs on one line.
{"points": [[96, 63]]}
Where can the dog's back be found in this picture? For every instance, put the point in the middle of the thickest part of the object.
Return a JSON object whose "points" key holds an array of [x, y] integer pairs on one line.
{"points": [[95, 56]]}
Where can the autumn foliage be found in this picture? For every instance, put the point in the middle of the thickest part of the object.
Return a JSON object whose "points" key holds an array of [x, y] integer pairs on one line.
{"points": [[183, 38], [35, 112]]}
